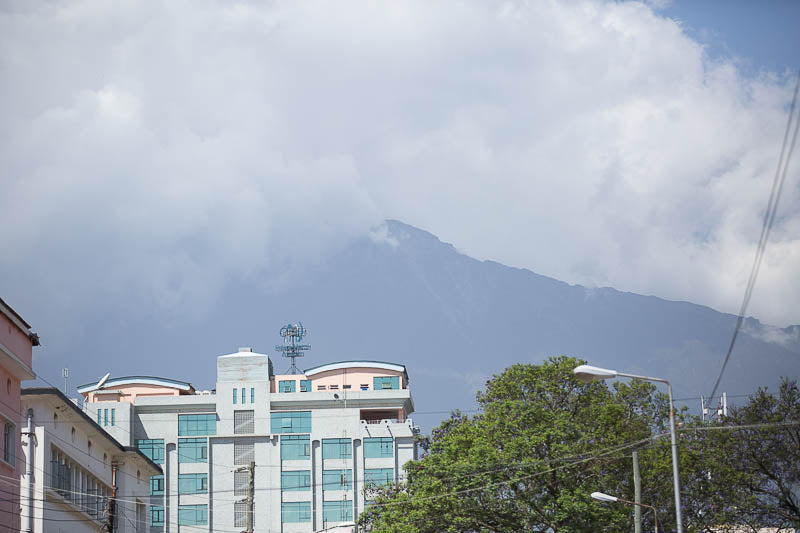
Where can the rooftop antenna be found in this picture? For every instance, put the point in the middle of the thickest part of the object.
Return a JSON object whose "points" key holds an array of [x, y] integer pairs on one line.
{"points": [[65, 375], [292, 335], [102, 381]]}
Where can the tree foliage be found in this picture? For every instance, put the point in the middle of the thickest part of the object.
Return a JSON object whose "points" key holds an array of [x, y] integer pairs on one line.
{"points": [[543, 442], [529, 460]]}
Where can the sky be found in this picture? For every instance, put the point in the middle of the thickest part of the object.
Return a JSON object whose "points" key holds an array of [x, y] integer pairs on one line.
{"points": [[152, 154]]}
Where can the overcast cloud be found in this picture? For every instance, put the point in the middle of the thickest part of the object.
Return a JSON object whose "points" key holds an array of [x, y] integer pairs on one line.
{"points": [[152, 152]]}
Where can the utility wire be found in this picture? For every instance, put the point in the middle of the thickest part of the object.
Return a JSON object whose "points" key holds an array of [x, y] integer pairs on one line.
{"points": [[766, 227]]}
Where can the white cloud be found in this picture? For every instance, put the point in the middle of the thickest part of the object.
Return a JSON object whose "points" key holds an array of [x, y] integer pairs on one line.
{"points": [[157, 152]]}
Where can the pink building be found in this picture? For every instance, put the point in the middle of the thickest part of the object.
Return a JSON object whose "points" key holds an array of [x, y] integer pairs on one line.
{"points": [[16, 365]]}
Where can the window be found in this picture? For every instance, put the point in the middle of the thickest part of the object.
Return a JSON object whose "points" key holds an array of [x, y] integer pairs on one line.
{"points": [[365, 386], [291, 422], [337, 479], [334, 387], [235, 390], [152, 448], [305, 385], [244, 398], [347, 386], [296, 480], [240, 512], [156, 485], [243, 452], [241, 482], [338, 511], [294, 447], [113, 411], [243, 422], [192, 450], [156, 515], [9, 442], [192, 515], [286, 386], [321, 387], [378, 447], [294, 512], [192, 483], [190, 425], [392, 382], [105, 417], [252, 395], [379, 476], [99, 416], [336, 449]]}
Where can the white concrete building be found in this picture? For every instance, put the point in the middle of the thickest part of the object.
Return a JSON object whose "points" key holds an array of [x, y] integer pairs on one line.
{"points": [[317, 440], [71, 466]]}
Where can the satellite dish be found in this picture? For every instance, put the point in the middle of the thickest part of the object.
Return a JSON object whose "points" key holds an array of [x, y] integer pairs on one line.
{"points": [[103, 380]]}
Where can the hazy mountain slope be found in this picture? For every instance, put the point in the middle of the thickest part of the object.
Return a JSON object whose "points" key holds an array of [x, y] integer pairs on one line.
{"points": [[402, 295]]}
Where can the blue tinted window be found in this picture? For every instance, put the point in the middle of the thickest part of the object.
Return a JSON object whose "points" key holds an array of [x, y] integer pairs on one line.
{"points": [[192, 483], [156, 485], [294, 447], [294, 512], [337, 511], [156, 515], [286, 386], [152, 448], [235, 390], [192, 515], [244, 397], [392, 382], [252, 395], [336, 449], [337, 479], [189, 425], [192, 450], [296, 480], [305, 385], [379, 476], [291, 422], [378, 447]]}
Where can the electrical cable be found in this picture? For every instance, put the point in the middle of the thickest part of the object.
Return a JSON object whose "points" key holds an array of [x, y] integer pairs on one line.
{"points": [[766, 227]]}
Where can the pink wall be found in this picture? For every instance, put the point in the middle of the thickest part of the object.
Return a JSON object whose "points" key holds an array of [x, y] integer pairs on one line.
{"points": [[16, 341], [130, 392], [19, 343], [354, 377]]}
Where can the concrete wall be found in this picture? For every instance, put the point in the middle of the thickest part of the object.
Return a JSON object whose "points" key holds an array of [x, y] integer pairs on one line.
{"points": [[154, 417], [62, 433]]}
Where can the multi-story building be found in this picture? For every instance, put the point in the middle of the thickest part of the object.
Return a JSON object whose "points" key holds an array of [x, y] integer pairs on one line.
{"points": [[316, 439], [16, 358], [75, 467]]}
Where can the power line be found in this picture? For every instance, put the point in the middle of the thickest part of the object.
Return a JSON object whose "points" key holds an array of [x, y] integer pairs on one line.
{"points": [[766, 227]]}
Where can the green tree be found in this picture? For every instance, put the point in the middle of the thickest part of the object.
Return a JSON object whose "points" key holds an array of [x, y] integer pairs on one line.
{"points": [[529, 461]]}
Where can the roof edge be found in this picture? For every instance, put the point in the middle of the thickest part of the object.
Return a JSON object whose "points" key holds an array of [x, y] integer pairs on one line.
{"points": [[52, 391], [148, 380]]}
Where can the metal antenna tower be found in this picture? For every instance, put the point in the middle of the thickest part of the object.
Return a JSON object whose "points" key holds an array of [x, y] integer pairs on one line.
{"points": [[292, 335]]}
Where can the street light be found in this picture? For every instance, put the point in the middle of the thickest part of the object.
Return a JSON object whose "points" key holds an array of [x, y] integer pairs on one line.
{"points": [[608, 498], [588, 373]]}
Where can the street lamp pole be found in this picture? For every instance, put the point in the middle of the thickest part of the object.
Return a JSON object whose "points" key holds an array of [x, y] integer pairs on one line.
{"points": [[587, 373], [607, 498]]}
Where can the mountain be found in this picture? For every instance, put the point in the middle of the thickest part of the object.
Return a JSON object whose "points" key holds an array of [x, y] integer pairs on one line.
{"points": [[402, 295]]}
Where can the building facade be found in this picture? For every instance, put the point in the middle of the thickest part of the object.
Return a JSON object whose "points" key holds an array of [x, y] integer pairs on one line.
{"points": [[74, 468], [16, 365], [317, 440]]}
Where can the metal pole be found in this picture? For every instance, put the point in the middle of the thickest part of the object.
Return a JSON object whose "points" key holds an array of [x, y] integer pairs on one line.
{"points": [[676, 486], [637, 495], [27, 508], [251, 494]]}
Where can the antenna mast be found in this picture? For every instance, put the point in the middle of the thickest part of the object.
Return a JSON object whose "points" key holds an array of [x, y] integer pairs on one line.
{"points": [[292, 335]]}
